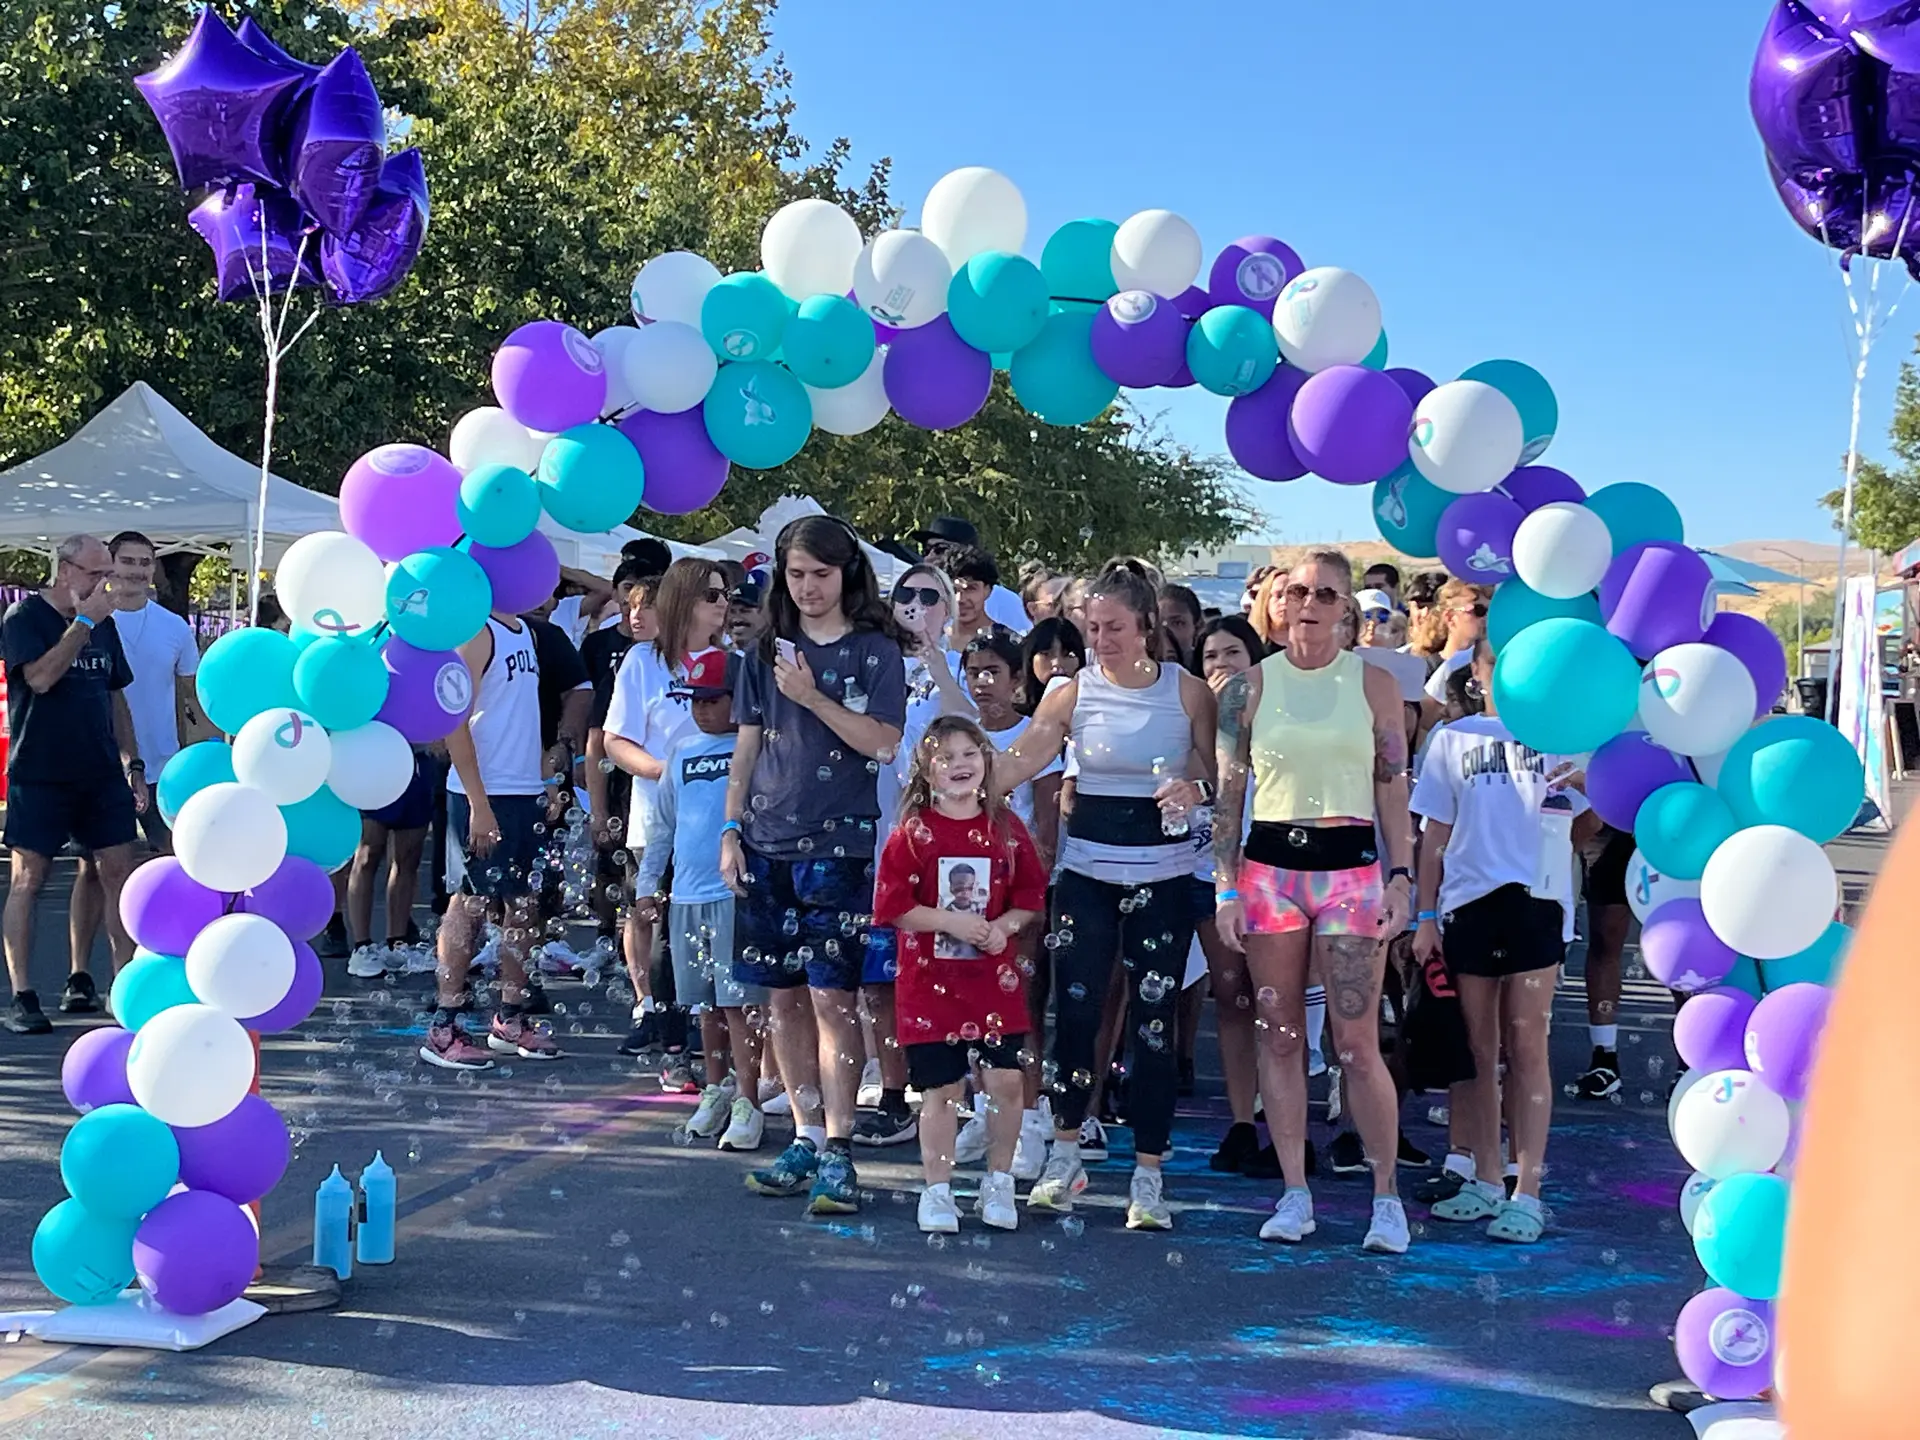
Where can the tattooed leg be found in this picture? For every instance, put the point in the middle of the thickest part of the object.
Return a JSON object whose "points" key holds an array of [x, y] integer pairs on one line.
{"points": [[1352, 966]]}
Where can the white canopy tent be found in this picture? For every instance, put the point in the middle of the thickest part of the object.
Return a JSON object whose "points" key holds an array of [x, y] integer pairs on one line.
{"points": [[739, 543], [600, 554]]}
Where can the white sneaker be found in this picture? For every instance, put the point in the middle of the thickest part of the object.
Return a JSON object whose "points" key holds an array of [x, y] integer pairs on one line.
{"points": [[368, 962], [710, 1115], [1316, 1064], [938, 1213], [870, 1085], [1093, 1141], [745, 1128], [970, 1147], [995, 1205], [1030, 1151], [1388, 1233], [1062, 1178], [780, 1104], [488, 957], [1292, 1219], [767, 1089], [418, 960], [1147, 1201]]}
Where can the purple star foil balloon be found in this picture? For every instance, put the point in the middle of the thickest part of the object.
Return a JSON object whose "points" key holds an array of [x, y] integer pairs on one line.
{"points": [[221, 107], [255, 235], [374, 257], [1888, 30], [260, 43], [1808, 94], [336, 144]]}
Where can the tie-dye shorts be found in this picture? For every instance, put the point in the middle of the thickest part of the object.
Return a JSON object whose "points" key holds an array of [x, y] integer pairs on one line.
{"points": [[1327, 902]]}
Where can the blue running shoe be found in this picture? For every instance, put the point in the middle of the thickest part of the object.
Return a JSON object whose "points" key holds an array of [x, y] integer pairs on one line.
{"points": [[792, 1170], [835, 1189]]}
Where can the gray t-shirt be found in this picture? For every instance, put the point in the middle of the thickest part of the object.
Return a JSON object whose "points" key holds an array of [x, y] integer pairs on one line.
{"points": [[812, 794]]}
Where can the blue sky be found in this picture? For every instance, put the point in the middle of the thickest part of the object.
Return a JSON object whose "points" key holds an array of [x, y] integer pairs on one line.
{"points": [[1575, 186]]}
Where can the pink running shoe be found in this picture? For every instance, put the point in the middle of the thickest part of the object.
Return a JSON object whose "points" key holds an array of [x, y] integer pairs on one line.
{"points": [[518, 1035], [451, 1048]]}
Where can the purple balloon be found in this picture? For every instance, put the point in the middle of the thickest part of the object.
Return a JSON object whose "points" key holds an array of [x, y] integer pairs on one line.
{"points": [[400, 499], [1888, 30], [548, 376], [429, 692], [163, 907], [934, 379], [1257, 435], [242, 1155], [298, 897], [297, 1004], [1680, 949], [255, 237], [1475, 537], [260, 43], [1710, 1031], [372, 259], [1349, 424], [1725, 1344], [1139, 339], [1532, 486], [1193, 302], [336, 144], [1252, 271], [195, 1252], [1657, 594], [1625, 771], [1783, 1037], [94, 1070], [221, 106], [1417, 384], [523, 574], [1809, 95], [685, 469], [1757, 648]]}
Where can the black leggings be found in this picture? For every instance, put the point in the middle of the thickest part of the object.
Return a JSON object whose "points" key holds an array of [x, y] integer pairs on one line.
{"points": [[1151, 936]]}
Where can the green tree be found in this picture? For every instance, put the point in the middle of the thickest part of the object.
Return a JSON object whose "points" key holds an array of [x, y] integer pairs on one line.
{"points": [[1886, 499], [1794, 623]]}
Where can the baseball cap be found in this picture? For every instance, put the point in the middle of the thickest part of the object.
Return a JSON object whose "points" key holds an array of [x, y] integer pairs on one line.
{"points": [[710, 674], [950, 528], [1374, 600]]}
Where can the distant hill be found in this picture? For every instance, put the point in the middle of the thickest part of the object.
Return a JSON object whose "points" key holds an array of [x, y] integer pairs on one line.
{"points": [[1816, 555]]}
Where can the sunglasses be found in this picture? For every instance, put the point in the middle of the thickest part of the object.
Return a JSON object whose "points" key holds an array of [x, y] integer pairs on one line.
{"points": [[716, 595], [922, 594], [1377, 616], [1322, 594], [1477, 610]]}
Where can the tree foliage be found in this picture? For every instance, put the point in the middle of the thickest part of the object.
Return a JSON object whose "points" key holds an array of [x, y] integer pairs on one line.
{"points": [[565, 143]]}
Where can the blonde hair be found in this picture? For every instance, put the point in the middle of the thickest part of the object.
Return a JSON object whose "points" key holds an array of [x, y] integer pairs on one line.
{"points": [[919, 791], [1427, 634], [1261, 616]]}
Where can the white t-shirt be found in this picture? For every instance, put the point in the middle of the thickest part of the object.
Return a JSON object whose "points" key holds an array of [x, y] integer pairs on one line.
{"points": [[566, 614], [924, 706], [652, 707], [505, 722], [1409, 671], [1493, 791], [1021, 800], [1436, 689], [159, 646]]}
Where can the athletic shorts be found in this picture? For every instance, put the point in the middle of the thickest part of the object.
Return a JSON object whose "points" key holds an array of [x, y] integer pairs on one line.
{"points": [[936, 1063], [42, 815], [154, 826], [1327, 902], [701, 938], [804, 922], [509, 871], [414, 809], [882, 965], [1509, 931], [1607, 874]]}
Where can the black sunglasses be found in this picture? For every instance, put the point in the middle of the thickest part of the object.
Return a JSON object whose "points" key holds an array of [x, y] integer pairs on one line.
{"points": [[925, 594], [715, 595], [1478, 610], [1324, 594]]}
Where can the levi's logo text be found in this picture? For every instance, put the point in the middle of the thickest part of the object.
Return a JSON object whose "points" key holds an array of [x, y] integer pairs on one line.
{"points": [[705, 767]]}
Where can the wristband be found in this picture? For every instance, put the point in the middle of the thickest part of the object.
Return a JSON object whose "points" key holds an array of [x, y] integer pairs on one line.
{"points": [[83, 620], [1207, 792], [730, 827], [1397, 872], [1223, 896], [1425, 915]]}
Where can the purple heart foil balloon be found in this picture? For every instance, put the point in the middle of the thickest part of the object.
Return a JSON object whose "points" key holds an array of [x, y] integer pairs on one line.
{"points": [[336, 144], [1809, 96], [221, 107], [371, 259], [255, 234]]}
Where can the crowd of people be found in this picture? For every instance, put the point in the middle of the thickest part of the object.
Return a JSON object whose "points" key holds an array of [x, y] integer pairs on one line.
{"points": [[942, 862]]}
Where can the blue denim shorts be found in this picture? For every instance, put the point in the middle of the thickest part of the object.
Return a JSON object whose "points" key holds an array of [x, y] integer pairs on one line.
{"points": [[806, 922]]}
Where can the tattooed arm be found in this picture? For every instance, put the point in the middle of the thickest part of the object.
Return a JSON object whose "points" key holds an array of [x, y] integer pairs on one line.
{"points": [[1233, 753], [1390, 793]]}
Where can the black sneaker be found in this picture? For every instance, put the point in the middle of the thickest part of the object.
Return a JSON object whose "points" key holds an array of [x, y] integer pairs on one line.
{"points": [[1442, 1184], [537, 1002], [1412, 1154], [643, 1036], [1264, 1164], [884, 1127], [1602, 1077], [80, 997], [334, 942], [26, 1017], [1347, 1156], [1238, 1146]]}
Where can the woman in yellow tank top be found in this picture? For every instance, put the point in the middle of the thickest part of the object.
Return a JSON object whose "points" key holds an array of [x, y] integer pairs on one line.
{"points": [[1321, 738]]}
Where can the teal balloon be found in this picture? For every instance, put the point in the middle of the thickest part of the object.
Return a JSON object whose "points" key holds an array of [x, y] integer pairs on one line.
{"points": [[498, 505], [1531, 395], [998, 302], [1636, 513], [1680, 826], [1003, 360], [243, 673], [1077, 263], [1797, 771], [1407, 508], [744, 317], [1516, 605], [341, 682], [119, 1161], [829, 342], [758, 414], [591, 479], [1818, 964], [1377, 357], [148, 984], [1232, 350], [438, 599], [1565, 685], [323, 828], [1740, 1234], [1745, 977], [191, 770], [1055, 377], [83, 1258]]}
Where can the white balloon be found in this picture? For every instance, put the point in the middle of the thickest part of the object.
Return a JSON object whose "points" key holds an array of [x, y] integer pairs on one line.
{"points": [[670, 367], [231, 837], [190, 1065], [241, 965], [332, 583], [809, 248], [1562, 549], [613, 343], [1467, 437], [1648, 889], [1696, 699], [284, 754], [901, 279], [1769, 892], [490, 436], [372, 765], [672, 287], [1691, 1194], [1156, 251], [1729, 1123], [1688, 1079], [857, 406], [1328, 316], [971, 210]]}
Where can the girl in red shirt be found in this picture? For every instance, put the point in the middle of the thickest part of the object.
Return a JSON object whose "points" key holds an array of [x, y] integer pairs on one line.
{"points": [[959, 879]]}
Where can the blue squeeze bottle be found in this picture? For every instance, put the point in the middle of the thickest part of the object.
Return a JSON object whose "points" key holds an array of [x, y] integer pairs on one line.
{"points": [[332, 1220], [375, 1241]]}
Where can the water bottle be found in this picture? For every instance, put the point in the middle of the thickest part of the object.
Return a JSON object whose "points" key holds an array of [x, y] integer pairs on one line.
{"points": [[1174, 820], [333, 1224], [374, 1243]]}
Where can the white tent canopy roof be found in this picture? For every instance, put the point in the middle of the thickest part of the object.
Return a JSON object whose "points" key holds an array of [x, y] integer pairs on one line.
{"points": [[739, 543]]}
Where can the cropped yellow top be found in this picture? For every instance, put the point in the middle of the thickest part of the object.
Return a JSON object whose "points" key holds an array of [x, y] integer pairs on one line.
{"points": [[1312, 746]]}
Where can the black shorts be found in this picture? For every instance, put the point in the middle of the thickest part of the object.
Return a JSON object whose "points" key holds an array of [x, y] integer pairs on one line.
{"points": [[1607, 875], [414, 809], [509, 871], [1508, 932], [936, 1064], [804, 922], [42, 816]]}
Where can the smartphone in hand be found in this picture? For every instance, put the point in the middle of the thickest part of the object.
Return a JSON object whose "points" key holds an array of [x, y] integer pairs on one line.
{"points": [[787, 651]]}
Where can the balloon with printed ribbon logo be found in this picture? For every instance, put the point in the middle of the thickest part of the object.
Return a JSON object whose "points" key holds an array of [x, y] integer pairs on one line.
{"points": [[1252, 271], [1696, 699], [549, 377], [1729, 1122], [1406, 506], [1475, 536], [672, 288], [1532, 397], [83, 1258], [331, 583], [1231, 350], [1726, 1344], [758, 414], [402, 498], [438, 599], [284, 754], [1466, 437], [901, 279], [429, 692], [1138, 339], [1328, 316]]}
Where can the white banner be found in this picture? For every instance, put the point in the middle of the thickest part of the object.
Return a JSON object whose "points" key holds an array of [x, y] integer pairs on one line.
{"points": [[1862, 715]]}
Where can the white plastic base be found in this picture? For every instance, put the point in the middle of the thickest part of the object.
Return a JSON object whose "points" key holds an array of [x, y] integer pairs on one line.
{"points": [[134, 1320], [1741, 1420]]}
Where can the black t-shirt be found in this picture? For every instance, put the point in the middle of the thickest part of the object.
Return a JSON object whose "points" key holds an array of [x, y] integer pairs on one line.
{"points": [[560, 673], [65, 735], [601, 653]]}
